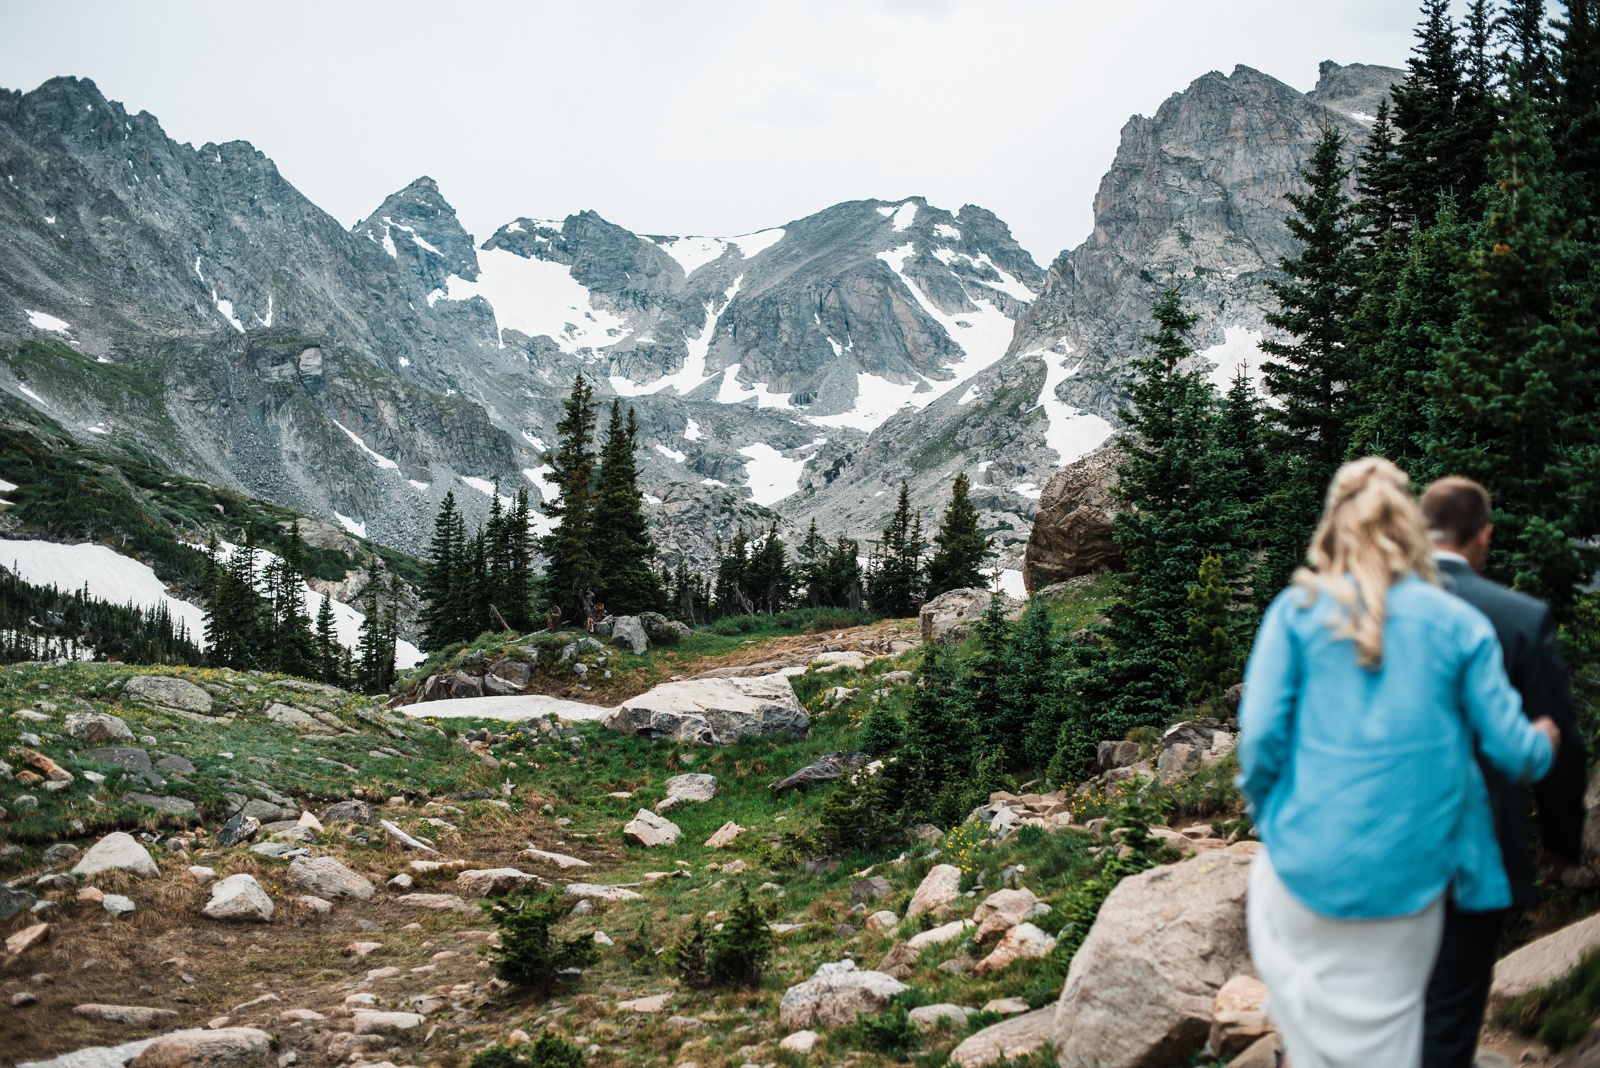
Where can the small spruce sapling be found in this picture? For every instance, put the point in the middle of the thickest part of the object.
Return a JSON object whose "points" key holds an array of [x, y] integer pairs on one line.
{"points": [[737, 954], [529, 955], [550, 1051]]}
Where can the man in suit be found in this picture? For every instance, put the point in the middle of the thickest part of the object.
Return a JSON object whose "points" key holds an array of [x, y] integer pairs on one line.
{"points": [[1457, 511]]}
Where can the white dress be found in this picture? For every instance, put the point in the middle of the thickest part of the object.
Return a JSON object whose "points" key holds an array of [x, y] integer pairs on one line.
{"points": [[1343, 993]]}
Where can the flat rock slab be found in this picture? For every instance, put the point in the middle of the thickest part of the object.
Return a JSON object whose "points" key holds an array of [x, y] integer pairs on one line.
{"points": [[221, 1047], [495, 882], [694, 787], [513, 708], [940, 886], [167, 692], [1008, 1039], [94, 1056], [1543, 961], [713, 711], [167, 806], [132, 1015], [130, 758], [117, 851], [386, 1023], [295, 719], [928, 1017], [560, 860], [436, 902], [653, 1003], [597, 892]]}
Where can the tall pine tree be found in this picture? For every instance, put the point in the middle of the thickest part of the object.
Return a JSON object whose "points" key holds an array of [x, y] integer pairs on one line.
{"points": [[960, 547], [569, 577], [895, 580], [624, 553]]}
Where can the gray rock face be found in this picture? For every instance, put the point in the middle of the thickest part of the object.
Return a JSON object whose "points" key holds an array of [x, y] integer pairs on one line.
{"points": [[165, 692], [713, 711]]}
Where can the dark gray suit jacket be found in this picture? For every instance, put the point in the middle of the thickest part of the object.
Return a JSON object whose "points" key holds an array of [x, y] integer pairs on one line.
{"points": [[1527, 634]]}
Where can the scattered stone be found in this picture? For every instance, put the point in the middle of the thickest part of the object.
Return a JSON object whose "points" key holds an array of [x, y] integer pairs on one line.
{"points": [[361, 949], [175, 765], [400, 882], [1268, 1053], [91, 895], [1178, 762], [404, 840], [1148, 972], [280, 850], [239, 898], [295, 719], [713, 711], [61, 851], [327, 877], [1003, 910], [928, 1017], [202, 875], [55, 881], [132, 1015], [349, 811], [688, 789], [94, 727], [52, 771], [939, 887], [1006, 1006], [595, 892], [14, 902], [724, 835], [649, 830], [954, 612], [835, 995], [319, 905], [167, 692], [386, 1023], [1021, 942], [27, 938], [495, 882], [1543, 961], [435, 902], [23, 998], [560, 860], [883, 920], [117, 905], [801, 1042], [938, 936], [1017, 1037], [628, 631], [118, 851]]}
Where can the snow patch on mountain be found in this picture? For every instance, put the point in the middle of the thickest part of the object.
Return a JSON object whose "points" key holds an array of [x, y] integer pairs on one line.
{"points": [[378, 458], [45, 321], [771, 475], [109, 575], [732, 391], [358, 529], [877, 399], [1071, 432], [1240, 347], [539, 298]]}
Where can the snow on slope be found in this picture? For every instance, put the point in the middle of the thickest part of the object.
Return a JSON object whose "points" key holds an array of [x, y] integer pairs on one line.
{"points": [[772, 476], [1240, 347], [693, 253], [1072, 433], [538, 298], [693, 371], [44, 321], [109, 575]]}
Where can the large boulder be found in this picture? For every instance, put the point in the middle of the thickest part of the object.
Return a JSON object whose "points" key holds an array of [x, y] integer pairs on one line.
{"points": [[98, 727], [222, 1047], [713, 711], [327, 877], [648, 829], [628, 631], [687, 789], [166, 692], [239, 899], [836, 995], [952, 613], [495, 882], [1141, 989], [117, 851], [940, 886], [1072, 525]]}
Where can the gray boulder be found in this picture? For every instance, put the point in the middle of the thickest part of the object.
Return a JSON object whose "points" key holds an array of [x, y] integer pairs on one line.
{"points": [[693, 788], [826, 768], [629, 632], [117, 851], [327, 877], [221, 1047], [238, 830], [239, 899], [164, 691], [352, 811], [835, 995], [713, 711], [96, 727], [167, 806]]}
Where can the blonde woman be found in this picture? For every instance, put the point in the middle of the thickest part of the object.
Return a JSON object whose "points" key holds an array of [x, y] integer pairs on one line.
{"points": [[1366, 691]]}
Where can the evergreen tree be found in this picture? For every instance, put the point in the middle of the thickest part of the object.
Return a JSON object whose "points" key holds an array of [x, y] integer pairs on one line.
{"points": [[1033, 684], [441, 591], [938, 751], [997, 718], [841, 575], [768, 578], [1211, 662], [1441, 152], [1575, 111], [519, 578], [327, 655], [894, 581], [813, 565], [960, 547], [569, 578], [728, 594], [1178, 512], [1515, 385], [379, 630], [1241, 452], [624, 551], [1310, 373]]}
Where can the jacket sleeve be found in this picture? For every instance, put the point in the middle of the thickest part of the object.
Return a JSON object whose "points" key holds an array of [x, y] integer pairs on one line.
{"points": [[1547, 691], [1505, 737], [1272, 684]]}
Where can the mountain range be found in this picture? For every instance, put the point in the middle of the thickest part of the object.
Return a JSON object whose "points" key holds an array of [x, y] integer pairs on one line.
{"points": [[189, 307]]}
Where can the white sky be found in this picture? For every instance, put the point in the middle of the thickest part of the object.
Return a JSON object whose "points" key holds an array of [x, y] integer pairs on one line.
{"points": [[688, 117]]}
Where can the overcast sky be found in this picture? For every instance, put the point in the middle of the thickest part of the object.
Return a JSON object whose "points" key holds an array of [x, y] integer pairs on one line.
{"points": [[715, 117]]}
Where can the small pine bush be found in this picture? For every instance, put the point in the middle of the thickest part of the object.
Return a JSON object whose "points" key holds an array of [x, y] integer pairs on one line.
{"points": [[889, 1032], [737, 954], [529, 955], [881, 732], [689, 957], [550, 1051]]}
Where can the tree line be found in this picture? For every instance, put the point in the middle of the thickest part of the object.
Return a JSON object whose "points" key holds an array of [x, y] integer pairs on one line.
{"points": [[46, 623]]}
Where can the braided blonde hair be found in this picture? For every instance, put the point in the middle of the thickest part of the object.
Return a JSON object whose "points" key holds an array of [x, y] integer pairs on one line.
{"points": [[1371, 536]]}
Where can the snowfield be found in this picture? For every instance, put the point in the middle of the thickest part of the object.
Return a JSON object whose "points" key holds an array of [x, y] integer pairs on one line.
{"points": [[772, 476], [539, 298]]}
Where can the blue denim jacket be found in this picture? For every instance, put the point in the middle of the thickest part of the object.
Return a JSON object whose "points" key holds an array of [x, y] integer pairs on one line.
{"points": [[1362, 783]]}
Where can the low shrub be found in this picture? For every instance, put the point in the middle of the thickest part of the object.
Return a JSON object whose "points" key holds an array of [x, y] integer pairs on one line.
{"points": [[529, 955], [550, 1051], [737, 954]]}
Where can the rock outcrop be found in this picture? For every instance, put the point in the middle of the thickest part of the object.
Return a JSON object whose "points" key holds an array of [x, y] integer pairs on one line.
{"points": [[1141, 989], [835, 995], [713, 711], [1072, 527]]}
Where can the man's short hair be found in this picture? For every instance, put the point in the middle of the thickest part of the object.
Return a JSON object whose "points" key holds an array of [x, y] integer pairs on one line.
{"points": [[1456, 509]]}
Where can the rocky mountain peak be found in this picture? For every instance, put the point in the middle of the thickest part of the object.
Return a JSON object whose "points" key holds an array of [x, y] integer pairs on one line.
{"points": [[1354, 89], [421, 222]]}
